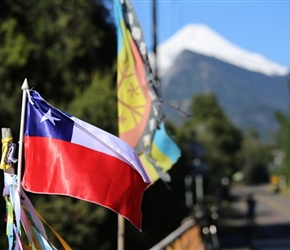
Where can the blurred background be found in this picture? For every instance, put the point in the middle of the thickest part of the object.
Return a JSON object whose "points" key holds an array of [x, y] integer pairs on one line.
{"points": [[233, 129]]}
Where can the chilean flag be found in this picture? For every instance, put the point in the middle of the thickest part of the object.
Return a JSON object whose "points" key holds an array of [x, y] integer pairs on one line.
{"points": [[67, 156]]}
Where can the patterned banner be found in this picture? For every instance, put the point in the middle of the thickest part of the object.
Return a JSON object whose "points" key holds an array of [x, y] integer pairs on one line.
{"points": [[139, 107]]}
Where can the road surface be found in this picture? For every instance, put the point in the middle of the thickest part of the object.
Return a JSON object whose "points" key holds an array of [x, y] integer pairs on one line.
{"points": [[271, 230]]}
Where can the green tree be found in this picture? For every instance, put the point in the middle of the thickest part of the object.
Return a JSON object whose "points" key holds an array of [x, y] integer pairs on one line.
{"points": [[220, 139], [57, 46], [284, 142], [254, 158], [97, 104], [67, 52], [81, 224]]}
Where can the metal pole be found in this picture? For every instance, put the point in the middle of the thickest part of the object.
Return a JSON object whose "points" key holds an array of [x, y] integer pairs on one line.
{"points": [[20, 151], [199, 188], [188, 192], [155, 42], [154, 13]]}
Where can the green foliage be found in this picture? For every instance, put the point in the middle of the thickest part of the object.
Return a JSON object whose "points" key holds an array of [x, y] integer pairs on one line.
{"points": [[16, 46], [220, 139], [77, 222], [98, 103], [67, 51], [284, 142], [254, 158], [57, 46]]}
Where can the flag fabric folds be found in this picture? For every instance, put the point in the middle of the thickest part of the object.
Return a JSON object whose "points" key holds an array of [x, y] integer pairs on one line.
{"points": [[67, 156], [166, 153], [139, 106], [139, 109]]}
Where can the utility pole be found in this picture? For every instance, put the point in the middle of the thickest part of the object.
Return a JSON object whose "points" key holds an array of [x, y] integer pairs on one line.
{"points": [[155, 42]]}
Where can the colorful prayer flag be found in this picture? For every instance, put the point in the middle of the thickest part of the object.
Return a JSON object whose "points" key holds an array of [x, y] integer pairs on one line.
{"points": [[164, 151], [21, 217], [139, 109], [139, 106], [67, 156]]}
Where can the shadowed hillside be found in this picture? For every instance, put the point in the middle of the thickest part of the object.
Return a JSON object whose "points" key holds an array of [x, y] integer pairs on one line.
{"points": [[250, 99]]}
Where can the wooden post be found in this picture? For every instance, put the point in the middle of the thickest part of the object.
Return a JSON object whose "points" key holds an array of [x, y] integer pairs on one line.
{"points": [[121, 232]]}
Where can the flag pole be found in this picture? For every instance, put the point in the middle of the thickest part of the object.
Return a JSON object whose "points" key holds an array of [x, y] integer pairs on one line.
{"points": [[24, 88]]}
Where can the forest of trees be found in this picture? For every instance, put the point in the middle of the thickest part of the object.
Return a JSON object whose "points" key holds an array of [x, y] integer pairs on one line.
{"points": [[68, 54]]}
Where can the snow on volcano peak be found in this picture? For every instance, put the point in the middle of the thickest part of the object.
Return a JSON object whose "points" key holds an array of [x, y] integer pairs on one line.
{"points": [[203, 40]]}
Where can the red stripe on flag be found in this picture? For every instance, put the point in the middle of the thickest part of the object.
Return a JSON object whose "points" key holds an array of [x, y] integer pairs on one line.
{"points": [[57, 167]]}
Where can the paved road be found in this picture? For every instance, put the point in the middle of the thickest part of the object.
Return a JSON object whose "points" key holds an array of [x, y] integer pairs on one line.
{"points": [[272, 222]]}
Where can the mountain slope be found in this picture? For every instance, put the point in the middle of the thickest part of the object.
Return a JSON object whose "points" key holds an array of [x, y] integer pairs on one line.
{"points": [[249, 98], [203, 40]]}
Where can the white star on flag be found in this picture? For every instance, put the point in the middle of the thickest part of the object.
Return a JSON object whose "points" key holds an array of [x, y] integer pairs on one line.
{"points": [[48, 116]]}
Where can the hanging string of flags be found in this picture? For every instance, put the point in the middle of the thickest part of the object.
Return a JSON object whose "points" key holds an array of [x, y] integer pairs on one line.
{"points": [[21, 216]]}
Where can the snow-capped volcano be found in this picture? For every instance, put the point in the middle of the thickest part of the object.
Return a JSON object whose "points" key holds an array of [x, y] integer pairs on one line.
{"points": [[203, 40]]}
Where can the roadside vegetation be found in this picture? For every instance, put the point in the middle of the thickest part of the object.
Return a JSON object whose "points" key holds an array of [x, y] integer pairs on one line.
{"points": [[68, 54]]}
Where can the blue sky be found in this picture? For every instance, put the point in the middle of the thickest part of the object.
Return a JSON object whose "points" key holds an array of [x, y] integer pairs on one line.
{"points": [[257, 26]]}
